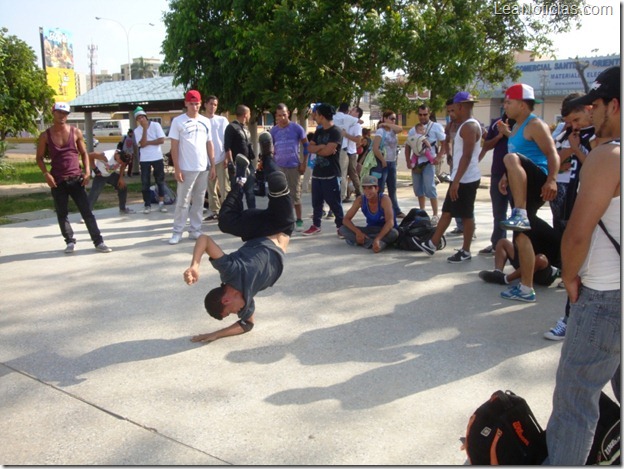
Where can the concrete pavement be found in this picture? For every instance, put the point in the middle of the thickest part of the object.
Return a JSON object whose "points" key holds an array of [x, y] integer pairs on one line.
{"points": [[356, 358]]}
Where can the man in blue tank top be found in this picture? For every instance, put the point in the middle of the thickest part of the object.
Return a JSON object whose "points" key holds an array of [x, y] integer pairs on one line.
{"points": [[531, 169], [381, 227]]}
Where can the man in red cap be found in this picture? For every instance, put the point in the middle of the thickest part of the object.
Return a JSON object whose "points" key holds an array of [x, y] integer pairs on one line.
{"points": [[63, 143], [193, 162], [531, 169]]}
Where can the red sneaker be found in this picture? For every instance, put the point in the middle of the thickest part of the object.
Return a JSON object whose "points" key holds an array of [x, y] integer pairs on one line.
{"points": [[313, 230]]}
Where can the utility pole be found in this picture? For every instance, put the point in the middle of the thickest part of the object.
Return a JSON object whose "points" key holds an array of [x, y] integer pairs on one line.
{"points": [[92, 56]]}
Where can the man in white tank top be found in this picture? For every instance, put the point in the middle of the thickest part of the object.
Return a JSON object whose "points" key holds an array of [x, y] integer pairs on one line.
{"points": [[590, 356], [465, 179]]}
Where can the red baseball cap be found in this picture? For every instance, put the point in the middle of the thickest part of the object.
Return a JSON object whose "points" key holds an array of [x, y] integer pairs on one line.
{"points": [[521, 92], [192, 96]]}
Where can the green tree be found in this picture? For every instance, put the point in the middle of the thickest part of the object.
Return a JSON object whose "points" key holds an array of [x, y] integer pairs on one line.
{"points": [[394, 95], [142, 69], [293, 51], [24, 91], [448, 45]]}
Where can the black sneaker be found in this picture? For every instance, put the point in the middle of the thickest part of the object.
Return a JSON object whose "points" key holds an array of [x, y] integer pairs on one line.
{"points": [[459, 256], [495, 276], [425, 246]]}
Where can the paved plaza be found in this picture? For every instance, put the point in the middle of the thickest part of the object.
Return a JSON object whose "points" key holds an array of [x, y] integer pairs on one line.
{"points": [[356, 358]]}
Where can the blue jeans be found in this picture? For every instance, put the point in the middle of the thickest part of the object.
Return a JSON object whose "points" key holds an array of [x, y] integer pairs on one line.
{"points": [[326, 190], [391, 180], [159, 177], [590, 358], [500, 203], [423, 183], [99, 182]]}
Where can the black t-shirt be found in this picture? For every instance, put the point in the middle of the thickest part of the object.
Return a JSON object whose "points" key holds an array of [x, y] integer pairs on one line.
{"points": [[236, 138], [327, 166], [545, 240], [255, 266]]}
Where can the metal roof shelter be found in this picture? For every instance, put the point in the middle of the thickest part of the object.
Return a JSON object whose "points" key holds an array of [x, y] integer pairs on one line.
{"points": [[153, 94]]}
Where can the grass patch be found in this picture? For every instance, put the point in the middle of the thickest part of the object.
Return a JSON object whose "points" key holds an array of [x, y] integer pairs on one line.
{"points": [[20, 172], [13, 205]]}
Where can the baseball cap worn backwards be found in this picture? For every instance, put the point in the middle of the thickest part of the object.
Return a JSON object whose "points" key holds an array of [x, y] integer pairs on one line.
{"points": [[464, 97], [192, 96], [139, 112], [521, 92], [63, 107], [607, 85]]}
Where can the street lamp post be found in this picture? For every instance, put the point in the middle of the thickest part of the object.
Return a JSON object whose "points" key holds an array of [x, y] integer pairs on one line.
{"points": [[127, 32]]}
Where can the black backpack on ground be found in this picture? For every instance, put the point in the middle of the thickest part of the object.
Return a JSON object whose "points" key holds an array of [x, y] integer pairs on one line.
{"points": [[416, 226], [605, 449], [503, 430]]}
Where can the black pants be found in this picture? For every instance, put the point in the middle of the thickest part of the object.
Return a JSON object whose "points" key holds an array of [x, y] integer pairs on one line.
{"points": [[278, 217], [61, 194]]}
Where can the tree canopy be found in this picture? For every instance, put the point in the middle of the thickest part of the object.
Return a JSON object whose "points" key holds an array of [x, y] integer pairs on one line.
{"points": [[24, 91], [261, 53]]}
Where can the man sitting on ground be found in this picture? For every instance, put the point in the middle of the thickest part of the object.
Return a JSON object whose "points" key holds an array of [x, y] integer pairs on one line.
{"points": [[256, 265], [380, 219]]}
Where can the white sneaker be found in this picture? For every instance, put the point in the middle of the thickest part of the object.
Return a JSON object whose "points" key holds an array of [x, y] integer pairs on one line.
{"points": [[175, 238], [162, 208], [194, 234], [147, 209], [69, 249]]}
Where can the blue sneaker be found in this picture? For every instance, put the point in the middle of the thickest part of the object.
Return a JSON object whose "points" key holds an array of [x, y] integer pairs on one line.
{"points": [[516, 222], [514, 293]]}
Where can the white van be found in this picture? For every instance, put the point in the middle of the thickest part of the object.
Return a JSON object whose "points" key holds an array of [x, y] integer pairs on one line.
{"points": [[103, 128]]}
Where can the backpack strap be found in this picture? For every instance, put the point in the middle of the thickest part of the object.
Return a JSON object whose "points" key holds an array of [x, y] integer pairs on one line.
{"points": [[616, 245]]}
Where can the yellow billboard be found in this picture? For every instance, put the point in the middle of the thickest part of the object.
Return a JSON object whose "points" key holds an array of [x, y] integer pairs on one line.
{"points": [[58, 51]]}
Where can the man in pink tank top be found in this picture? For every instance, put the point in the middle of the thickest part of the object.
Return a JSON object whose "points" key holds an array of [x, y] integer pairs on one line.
{"points": [[63, 144]]}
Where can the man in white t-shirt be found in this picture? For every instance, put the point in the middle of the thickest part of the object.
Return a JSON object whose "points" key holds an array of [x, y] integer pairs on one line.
{"points": [[344, 121], [217, 126], [193, 161], [465, 179], [108, 168], [352, 137], [149, 137]]}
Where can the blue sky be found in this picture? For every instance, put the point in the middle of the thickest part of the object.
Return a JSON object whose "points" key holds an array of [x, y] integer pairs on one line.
{"points": [[24, 17]]}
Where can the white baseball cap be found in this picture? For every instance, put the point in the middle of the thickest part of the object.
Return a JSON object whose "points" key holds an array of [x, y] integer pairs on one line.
{"points": [[61, 107]]}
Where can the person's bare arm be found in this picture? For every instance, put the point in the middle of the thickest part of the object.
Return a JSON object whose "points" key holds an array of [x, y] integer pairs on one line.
{"points": [[204, 245], [348, 220], [175, 147], [84, 156], [599, 183], [386, 206], [231, 330], [540, 133], [42, 144]]}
